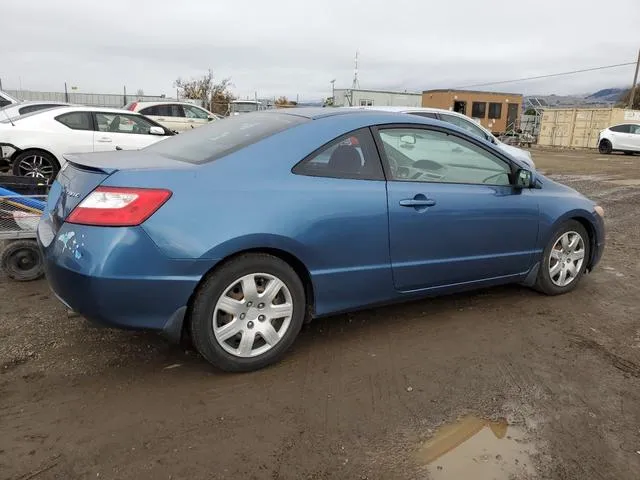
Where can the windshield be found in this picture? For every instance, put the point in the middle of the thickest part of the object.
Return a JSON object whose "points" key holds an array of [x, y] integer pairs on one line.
{"points": [[217, 139]]}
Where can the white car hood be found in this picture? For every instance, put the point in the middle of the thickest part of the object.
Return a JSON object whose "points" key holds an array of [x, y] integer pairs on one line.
{"points": [[519, 153]]}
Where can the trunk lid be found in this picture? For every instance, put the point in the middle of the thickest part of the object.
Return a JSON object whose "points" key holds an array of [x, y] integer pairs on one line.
{"points": [[84, 172]]}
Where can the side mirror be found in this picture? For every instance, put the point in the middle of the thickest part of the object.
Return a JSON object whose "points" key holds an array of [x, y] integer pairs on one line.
{"points": [[524, 178], [408, 139], [157, 131], [210, 117]]}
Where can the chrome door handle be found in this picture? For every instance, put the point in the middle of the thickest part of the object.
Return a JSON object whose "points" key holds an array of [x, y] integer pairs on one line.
{"points": [[417, 202]]}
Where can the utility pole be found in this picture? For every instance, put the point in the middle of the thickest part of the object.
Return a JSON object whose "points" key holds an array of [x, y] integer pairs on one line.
{"points": [[66, 93], [635, 81]]}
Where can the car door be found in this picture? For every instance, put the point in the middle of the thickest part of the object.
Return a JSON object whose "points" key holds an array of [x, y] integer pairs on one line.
{"points": [[454, 217], [634, 140], [620, 137], [195, 116], [122, 131], [168, 115]]}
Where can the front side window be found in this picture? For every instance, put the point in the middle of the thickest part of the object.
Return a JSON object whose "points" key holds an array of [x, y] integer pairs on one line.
{"points": [[118, 123], [465, 124], [76, 120], [635, 129], [495, 110], [195, 112], [621, 129], [351, 156], [422, 155], [478, 109]]}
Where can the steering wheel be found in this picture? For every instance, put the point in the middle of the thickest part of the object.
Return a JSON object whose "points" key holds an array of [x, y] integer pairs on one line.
{"points": [[493, 176]]}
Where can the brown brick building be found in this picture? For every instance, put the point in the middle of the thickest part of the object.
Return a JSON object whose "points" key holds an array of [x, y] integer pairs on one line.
{"points": [[496, 111]]}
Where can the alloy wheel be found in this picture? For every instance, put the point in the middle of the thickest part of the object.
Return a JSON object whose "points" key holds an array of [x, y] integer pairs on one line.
{"points": [[566, 258], [35, 166], [252, 315]]}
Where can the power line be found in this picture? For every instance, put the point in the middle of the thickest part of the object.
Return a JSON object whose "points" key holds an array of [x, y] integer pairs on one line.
{"points": [[548, 76]]}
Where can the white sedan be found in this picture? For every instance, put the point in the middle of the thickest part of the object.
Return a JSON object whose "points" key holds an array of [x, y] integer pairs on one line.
{"points": [[38, 141], [464, 122]]}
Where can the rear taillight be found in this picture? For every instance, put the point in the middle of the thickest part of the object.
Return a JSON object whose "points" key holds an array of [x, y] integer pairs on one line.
{"points": [[118, 207], [133, 106]]}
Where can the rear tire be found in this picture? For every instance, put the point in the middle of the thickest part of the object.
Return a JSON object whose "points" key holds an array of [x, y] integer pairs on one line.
{"points": [[564, 264], [248, 313], [36, 164], [605, 147], [21, 260]]}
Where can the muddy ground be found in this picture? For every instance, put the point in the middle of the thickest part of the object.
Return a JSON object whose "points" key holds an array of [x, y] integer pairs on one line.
{"points": [[359, 395]]}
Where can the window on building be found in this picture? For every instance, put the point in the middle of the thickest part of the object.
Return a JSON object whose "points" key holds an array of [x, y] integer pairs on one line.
{"points": [[366, 103], [495, 110], [478, 109], [352, 156]]}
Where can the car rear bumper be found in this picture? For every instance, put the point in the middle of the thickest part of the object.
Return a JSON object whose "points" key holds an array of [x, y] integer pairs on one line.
{"points": [[117, 277]]}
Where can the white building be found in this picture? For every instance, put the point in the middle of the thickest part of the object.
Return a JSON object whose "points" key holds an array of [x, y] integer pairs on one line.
{"points": [[347, 97]]}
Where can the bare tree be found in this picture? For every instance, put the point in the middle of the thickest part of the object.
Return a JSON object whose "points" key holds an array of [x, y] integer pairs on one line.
{"points": [[140, 92], [623, 101], [284, 102], [214, 96]]}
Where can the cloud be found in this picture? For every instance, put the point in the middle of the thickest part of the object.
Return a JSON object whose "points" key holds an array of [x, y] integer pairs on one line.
{"points": [[280, 47]]}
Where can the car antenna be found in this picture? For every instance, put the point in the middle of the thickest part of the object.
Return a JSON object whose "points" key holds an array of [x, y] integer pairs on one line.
{"points": [[8, 118]]}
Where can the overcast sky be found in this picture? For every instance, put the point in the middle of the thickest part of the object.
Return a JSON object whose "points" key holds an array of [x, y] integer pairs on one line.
{"points": [[278, 47]]}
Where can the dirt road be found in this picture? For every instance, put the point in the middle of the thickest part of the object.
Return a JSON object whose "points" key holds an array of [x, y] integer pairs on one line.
{"points": [[554, 383]]}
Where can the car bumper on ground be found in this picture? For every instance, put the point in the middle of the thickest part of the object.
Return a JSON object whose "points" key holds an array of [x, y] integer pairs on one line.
{"points": [[117, 277]]}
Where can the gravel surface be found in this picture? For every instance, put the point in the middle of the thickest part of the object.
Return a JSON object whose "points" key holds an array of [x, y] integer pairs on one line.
{"points": [[359, 395]]}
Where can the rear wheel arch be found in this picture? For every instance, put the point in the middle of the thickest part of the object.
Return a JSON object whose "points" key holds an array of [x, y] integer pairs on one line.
{"points": [[42, 151], [293, 261]]}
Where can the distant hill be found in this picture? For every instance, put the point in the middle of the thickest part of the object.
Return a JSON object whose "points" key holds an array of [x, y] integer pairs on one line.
{"points": [[602, 98], [607, 95]]}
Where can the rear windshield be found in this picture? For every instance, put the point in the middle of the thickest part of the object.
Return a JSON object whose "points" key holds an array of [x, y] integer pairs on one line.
{"points": [[217, 139]]}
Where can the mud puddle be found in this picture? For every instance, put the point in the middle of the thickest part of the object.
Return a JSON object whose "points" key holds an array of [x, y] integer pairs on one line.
{"points": [[476, 448]]}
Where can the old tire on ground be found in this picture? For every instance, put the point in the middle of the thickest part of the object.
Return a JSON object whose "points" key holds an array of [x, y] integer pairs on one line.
{"points": [[21, 260], [565, 259], [605, 147], [36, 164], [248, 313]]}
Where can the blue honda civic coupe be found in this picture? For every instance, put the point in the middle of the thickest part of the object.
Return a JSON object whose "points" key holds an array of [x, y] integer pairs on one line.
{"points": [[237, 232]]}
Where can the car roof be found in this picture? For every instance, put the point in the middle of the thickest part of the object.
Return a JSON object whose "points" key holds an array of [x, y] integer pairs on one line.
{"points": [[34, 102], [164, 102], [313, 113]]}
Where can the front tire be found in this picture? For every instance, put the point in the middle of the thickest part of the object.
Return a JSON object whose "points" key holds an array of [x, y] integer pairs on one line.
{"points": [[36, 164], [565, 259], [248, 313], [605, 147]]}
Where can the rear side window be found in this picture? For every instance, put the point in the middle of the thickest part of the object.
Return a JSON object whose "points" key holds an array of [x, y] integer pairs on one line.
{"points": [[217, 139], [164, 111], [76, 120], [353, 156], [621, 128]]}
